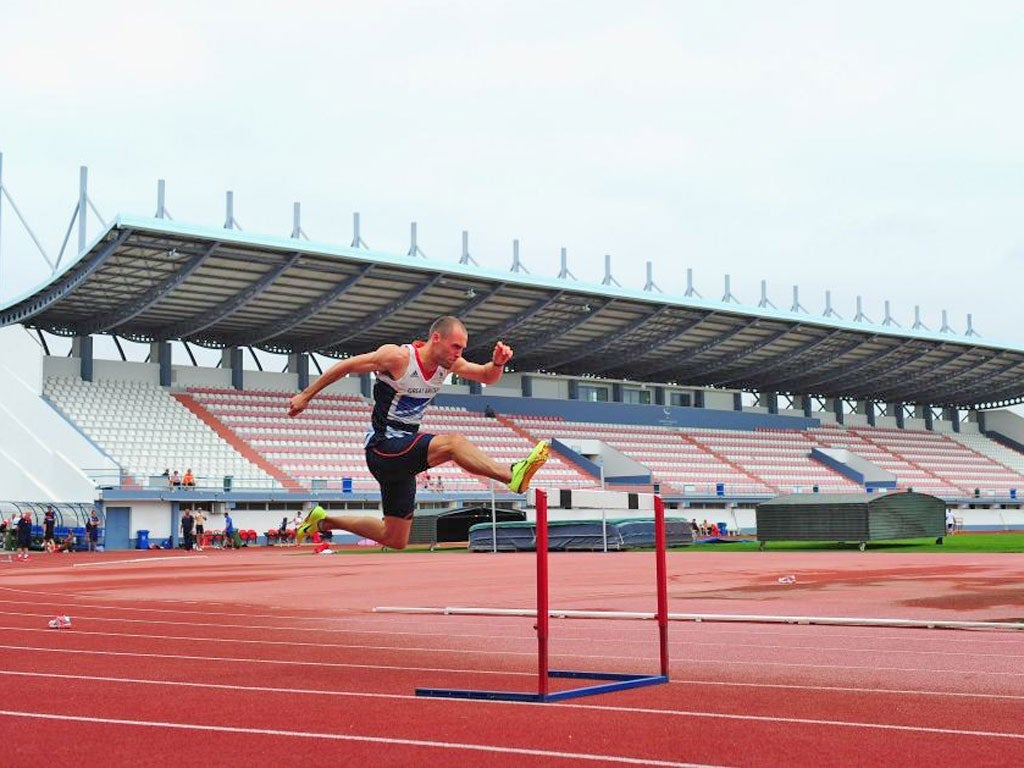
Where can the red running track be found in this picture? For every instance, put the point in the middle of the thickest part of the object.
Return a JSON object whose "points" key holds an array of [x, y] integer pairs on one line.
{"points": [[274, 657]]}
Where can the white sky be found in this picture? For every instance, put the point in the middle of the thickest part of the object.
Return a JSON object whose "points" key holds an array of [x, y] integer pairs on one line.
{"points": [[872, 148]]}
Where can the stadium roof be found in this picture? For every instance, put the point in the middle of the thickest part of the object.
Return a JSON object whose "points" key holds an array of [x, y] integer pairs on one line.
{"points": [[150, 279]]}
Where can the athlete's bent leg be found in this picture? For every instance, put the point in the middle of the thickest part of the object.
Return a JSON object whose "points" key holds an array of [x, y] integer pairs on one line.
{"points": [[455, 447], [392, 532]]}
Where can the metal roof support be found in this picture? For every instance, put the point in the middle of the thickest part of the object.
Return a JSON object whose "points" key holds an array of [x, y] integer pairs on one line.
{"points": [[159, 291], [888, 317], [726, 362], [690, 290], [948, 382], [564, 272], [705, 347], [945, 323], [517, 265], [970, 327], [650, 285], [1, 210], [297, 221], [299, 316], [357, 239], [191, 355], [860, 317], [612, 338], [797, 306], [858, 368], [160, 192], [947, 379], [230, 222], [190, 326], [727, 297], [765, 301], [483, 343], [608, 279], [819, 362], [120, 349], [465, 258], [5, 193], [829, 312], [83, 196], [586, 312], [255, 359], [328, 340], [918, 325], [414, 248]]}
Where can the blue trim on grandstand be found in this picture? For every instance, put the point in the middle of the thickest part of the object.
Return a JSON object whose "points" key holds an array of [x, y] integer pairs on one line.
{"points": [[627, 413], [592, 468], [847, 471]]}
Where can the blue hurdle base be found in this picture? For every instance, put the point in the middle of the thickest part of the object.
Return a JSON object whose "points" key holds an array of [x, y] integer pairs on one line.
{"points": [[619, 683]]}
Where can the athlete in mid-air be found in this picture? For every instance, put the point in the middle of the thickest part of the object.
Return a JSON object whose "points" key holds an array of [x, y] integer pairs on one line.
{"points": [[408, 377]]}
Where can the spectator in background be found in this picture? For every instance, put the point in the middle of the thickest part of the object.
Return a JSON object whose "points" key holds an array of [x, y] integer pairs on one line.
{"points": [[950, 522], [189, 480], [24, 535], [187, 528], [230, 534], [200, 517], [68, 545], [92, 530], [175, 480], [489, 412], [49, 521], [167, 474]]}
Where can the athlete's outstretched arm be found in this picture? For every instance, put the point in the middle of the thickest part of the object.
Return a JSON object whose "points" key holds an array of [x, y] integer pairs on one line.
{"points": [[388, 358], [488, 373]]}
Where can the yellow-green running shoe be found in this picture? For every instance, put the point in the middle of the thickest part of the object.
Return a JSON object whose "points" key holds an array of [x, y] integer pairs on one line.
{"points": [[310, 524], [523, 471]]}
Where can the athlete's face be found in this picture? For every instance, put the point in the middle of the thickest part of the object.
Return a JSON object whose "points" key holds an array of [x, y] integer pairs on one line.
{"points": [[450, 347]]}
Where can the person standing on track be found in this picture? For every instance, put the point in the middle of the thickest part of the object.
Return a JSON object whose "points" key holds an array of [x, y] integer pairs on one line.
{"points": [[408, 378], [24, 535], [49, 523]]}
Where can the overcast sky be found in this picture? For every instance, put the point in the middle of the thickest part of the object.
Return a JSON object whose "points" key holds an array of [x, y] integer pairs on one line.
{"points": [[871, 148]]}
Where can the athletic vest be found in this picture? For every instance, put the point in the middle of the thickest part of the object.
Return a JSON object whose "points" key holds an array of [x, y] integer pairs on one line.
{"points": [[399, 404]]}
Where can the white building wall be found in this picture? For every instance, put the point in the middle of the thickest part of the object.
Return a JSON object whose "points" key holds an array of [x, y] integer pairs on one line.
{"points": [[40, 452]]}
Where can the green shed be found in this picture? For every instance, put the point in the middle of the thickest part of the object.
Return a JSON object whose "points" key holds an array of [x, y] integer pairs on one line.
{"points": [[853, 517]]}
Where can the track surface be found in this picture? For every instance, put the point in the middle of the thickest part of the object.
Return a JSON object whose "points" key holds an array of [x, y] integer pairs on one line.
{"points": [[275, 657]]}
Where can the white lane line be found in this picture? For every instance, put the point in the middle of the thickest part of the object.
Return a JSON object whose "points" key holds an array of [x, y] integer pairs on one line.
{"points": [[325, 664], [357, 615], [588, 707], [708, 683], [442, 745], [676, 644], [163, 558], [478, 652]]}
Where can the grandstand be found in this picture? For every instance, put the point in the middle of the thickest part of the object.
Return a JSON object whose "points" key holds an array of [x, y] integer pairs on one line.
{"points": [[717, 406]]}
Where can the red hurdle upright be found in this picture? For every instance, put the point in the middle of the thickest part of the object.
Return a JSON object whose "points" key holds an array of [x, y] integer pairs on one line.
{"points": [[616, 681]]}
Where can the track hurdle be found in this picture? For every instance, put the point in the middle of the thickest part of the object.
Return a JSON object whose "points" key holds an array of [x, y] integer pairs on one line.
{"points": [[613, 681]]}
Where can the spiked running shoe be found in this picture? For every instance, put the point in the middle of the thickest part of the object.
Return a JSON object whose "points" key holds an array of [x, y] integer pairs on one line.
{"points": [[523, 471], [310, 524]]}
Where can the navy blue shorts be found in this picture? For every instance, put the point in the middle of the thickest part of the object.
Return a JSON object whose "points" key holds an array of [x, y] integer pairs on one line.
{"points": [[395, 462]]}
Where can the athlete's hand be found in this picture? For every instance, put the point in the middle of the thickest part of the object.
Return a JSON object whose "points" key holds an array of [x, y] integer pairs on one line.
{"points": [[298, 404], [502, 354]]}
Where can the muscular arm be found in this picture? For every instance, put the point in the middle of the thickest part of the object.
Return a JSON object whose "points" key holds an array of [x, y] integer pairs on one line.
{"points": [[487, 373], [389, 358]]}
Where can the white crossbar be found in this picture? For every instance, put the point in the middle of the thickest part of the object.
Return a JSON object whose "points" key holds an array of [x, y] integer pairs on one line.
{"points": [[699, 617], [582, 498]]}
